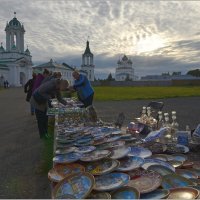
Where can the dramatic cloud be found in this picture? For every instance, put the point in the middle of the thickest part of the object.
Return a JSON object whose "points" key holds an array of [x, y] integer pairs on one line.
{"points": [[159, 36]]}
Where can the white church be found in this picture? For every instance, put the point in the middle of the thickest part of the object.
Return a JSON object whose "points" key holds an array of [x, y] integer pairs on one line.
{"points": [[124, 70], [15, 62]]}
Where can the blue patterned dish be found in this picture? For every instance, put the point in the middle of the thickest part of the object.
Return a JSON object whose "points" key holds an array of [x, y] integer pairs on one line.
{"points": [[110, 181], [140, 152], [156, 194], [174, 180], [54, 176], [99, 195], [148, 162], [161, 169], [85, 149], [65, 151], [67, 158], [120, 152], [112, 139], [130, 163], [77, 186], [186, 173], [152, 136], [126, 193]]}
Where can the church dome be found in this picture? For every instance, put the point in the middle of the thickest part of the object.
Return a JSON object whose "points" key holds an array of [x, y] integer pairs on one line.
{"points": [[27, 51], [14, 22], [125, 58], [2, 49]]}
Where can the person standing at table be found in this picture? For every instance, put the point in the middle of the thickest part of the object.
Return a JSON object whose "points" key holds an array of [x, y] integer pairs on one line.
{"points": [[40, 98], [83, 88]]}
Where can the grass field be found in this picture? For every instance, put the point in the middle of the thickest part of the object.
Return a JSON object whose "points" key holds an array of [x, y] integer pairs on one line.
{"points": [[107, 93]]}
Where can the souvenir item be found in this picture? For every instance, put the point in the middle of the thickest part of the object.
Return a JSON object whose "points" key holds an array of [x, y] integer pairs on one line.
{"points": [[179, 157], [157, 147], [119, 152], [95, 155], [130, 163], [186, 173], [111, 181], [63, 169], [162, 157], [85, 149], [126, 193], [148, 162], [183, 193], [67, 158], [152, 136], [66, 150], [114, 144], [77, 186], [140, 152], [54, 176], [99, 195], [146, 182], [162, 170], [174, 180], [112, 139], [177, 148], [176, 163], [102, 167], [182, 138], [197, 171], [156, 194], [117, 132]]}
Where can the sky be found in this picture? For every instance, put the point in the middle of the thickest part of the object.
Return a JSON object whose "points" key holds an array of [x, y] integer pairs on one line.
{"points": [[158, 36]]}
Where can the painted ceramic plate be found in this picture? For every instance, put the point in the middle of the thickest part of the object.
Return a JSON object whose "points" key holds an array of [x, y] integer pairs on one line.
{"points": [[54, 176], [148, 162], [77, 185], [99, 195], [157, 147], [115, 144], [162, 170], [162, 157], [126, 193], [113, 138], [183, 193], [120, 152], [177, 148], [67, 169], [140, 152], [176, 163], [65, 151], [130, 163], [186, 173], [179, 157], [152, 136], [67, 158], [95, 155], [85, 149], [111, 181], [174, 180], [102, 167], [147, 182], [156, 194]]}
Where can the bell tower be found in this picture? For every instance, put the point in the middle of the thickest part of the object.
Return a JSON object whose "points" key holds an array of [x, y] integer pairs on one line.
{"points": [[14, 35]]}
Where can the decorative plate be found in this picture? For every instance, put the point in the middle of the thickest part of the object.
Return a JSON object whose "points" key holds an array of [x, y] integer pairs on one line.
{"points": [[76, 185], [176, 163], [126, 192], [186, 173], [179, 157], [112, 139], [84, 140], [174, 180], [65, 151], [177, 148], [183, 193], [115, 144], [140, 152], [197, 171], [120, 152], [117, 132], [156, 194], [54, 176], [95, 155], [85, 149], [102, 167], [111, 181], [126, 136], [157, 147], [67, 158], [147, 182], [130, 163], [99, 195], [162, 157], [148, 162], [162, 170], [152, 136]]}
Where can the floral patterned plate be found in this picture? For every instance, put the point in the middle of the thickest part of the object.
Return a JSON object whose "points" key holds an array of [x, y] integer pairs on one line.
{"points": [[140, 152], [67, 158]]}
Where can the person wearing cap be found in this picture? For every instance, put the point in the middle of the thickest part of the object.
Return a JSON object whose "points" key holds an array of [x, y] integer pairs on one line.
{"points": [[39, 100], [83, 88]]}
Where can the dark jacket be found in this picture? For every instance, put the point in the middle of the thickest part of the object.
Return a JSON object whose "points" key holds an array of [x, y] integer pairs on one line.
{"points": [[28, 88]]}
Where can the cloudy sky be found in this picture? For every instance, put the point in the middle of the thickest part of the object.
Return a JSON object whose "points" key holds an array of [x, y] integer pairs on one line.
{"points": [[158, 36]]}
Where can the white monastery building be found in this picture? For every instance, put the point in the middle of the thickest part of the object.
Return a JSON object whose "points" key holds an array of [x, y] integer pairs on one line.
{"points": [[124, 70], [15, 63]]}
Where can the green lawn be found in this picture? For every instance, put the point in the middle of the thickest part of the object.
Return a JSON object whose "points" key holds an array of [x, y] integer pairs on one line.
{"points": [[107, 93]]}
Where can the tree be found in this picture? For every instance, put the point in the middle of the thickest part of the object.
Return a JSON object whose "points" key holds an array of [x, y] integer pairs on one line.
{"points": [[110, 78], [195, 72]]}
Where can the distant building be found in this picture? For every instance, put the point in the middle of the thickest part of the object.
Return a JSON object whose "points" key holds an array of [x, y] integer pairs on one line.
{"points": [[15, 63], [87, 62], [124, 70]]}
